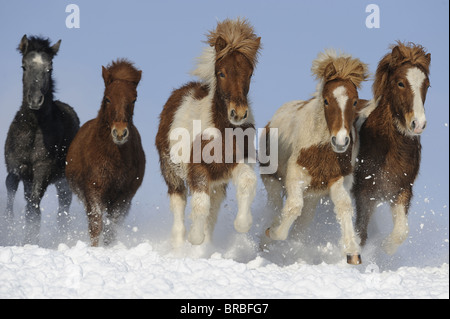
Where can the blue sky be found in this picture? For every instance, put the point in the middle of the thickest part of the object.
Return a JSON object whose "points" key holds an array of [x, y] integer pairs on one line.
{"points": [[163, 38]]}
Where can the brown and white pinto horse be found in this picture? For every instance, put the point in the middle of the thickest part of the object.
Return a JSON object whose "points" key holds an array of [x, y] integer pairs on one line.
{"points": [[106, 161], [317, 146], [390, 149], [218, 102]]}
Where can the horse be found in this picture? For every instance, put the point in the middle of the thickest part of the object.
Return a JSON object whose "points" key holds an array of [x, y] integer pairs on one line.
{"points": [[317, 147], [106, 161], [38, 138], [219, 104], [390, 150]]}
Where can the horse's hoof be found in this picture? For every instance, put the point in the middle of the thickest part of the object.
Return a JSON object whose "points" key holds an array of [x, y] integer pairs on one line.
{"points": [[354, 259], [196, 238], [243, 225]]}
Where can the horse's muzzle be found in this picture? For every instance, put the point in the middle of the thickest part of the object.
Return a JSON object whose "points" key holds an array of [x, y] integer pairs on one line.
{"points": [[120, 134], [340, 147], [417, 127], [35, 101], [238, 115]]}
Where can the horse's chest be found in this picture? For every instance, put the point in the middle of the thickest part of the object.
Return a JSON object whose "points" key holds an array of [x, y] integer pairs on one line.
{"points": [[324, 166], [34, 144], [401, 166]]}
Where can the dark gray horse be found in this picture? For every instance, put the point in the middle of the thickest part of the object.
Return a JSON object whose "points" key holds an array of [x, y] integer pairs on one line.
{"points": [[38, 138]]}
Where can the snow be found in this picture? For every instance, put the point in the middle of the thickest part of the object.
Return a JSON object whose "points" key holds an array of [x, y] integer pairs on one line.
{"points": [[142, 264], [142, 272]]}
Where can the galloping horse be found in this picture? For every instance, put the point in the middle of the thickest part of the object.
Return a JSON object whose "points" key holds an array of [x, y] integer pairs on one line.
{"points": [[106, 161], [217, 103], [317, 147], [39, 137], [389, 157]]}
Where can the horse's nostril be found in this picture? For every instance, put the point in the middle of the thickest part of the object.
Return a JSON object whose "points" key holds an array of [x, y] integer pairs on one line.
{"points": [[114, 132], [333, 140], [41, 100], [125, 133], [233, 113], [245, 115], [347, 141], [413, 124]]}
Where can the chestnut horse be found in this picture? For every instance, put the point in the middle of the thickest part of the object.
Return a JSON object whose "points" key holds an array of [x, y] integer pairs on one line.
{"points": [[218, 102], [317, 147], [106, 161], [390, 149]]}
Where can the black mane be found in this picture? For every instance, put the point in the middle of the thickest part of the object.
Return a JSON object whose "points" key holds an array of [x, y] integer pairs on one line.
{"points": [[39, 44]]}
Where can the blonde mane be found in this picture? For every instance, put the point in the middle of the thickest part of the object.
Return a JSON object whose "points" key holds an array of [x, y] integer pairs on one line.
{"points": [[402, 53], [330, 65], [239, 36]]}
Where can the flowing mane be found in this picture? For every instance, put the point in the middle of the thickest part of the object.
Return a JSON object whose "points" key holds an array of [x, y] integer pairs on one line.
{"points": [[330, 65], [236, 35], [239, 36], [124, 70], [402, 53]]}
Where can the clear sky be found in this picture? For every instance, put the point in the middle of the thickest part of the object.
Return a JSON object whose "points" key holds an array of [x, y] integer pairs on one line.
{"points": [[163, 38]]}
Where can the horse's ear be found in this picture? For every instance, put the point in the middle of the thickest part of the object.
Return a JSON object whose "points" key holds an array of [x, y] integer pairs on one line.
{"points": [[220, 44], [23, 46], [106, 76], [138, 78], [428, 57], [329, 71], [55, 47], [396, 57], [259, 41]]}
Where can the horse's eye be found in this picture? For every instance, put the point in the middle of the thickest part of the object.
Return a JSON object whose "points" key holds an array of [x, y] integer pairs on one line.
{"points": [[355, 103], [325, 102], [23, 68], [134, 101], [48, 70], [221, 74], [400, 84], [107, 101]]}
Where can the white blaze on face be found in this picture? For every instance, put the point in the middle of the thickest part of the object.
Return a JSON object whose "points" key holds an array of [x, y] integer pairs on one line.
{"points": [[340, 94], [37, 59], [415, 78]]}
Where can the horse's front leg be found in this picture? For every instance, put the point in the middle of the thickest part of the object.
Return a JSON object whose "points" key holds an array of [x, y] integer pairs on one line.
{"points": [[12, 183], [116, 215], [400, 231], [244, 178], [177, 206], [65, 200], [296, 181], [34, 191], [95, 221], [199, 184], [344, 213], [201, 204]]}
